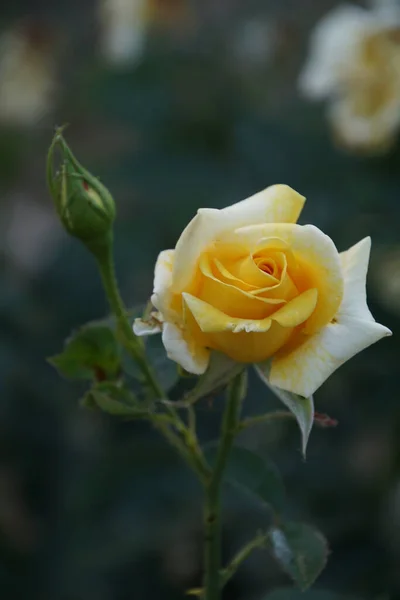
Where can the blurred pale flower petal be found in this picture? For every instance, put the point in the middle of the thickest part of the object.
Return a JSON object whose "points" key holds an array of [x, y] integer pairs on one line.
{"points": [[27, 76], [123, 31], [125, 24], [354, 63]]}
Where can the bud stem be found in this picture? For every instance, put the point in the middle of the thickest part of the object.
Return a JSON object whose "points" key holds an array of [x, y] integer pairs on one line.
{"points": [[105, 263]]}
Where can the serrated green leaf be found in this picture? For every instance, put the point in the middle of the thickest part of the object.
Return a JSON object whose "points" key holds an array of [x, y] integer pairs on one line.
{"points": [[300, 550], [220, 371], [302, 408], [112, 399], [253, 474], [91, 351]]}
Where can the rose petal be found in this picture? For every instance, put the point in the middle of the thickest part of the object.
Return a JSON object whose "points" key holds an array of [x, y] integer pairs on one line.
{"points": [[271, 287], [226, 276], [355, 267], [318, 262], [297, 310], [162, 281], [303, 369], [211, 320], [184, 350], [278, 203], [306, 368], [150, 327], [252, 347], [230, 299], [242, 340]]}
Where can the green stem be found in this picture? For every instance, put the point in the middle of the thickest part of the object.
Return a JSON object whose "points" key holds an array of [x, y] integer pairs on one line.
{"points": [[258, 542], [212, 509], [184, 441], [129, 340], [189, 454], [265, 418]]}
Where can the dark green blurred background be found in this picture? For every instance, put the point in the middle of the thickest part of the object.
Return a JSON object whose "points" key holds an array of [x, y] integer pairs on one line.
{"points": [[92, 509]]}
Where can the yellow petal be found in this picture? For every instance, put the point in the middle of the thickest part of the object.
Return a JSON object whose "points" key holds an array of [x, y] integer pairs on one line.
{"points": [[247, 270], [183, 349], [230, 299], [211, 320], [278, 203], [240, 339], [226, 276], [251, 347], [297, 310], [318, 262]]}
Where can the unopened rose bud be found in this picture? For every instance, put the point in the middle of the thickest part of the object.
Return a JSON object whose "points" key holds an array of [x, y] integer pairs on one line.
{"points": [[84, 205]]}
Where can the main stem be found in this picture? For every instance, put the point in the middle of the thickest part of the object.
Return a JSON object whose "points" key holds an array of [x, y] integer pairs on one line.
{"points": [[106, 267], [212, 508]]}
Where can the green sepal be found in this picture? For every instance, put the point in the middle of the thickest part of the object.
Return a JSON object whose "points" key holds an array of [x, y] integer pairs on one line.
{"points": [[302, 408]]}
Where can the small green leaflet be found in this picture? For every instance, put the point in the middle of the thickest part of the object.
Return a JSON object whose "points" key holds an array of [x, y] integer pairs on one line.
{"points": [[302, 408], [300, 550]]}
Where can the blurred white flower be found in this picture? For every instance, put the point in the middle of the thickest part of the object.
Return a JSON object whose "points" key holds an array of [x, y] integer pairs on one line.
{"points": [[125, 25], [354, 62], [123, 30], [27, 75]]}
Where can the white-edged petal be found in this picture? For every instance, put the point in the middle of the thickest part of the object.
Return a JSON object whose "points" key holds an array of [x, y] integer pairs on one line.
{"points": [[333, 44], [150, 326], [305, 369], [277, 203], [123, 31], [355, 267], [192, 357], [162, 280]]}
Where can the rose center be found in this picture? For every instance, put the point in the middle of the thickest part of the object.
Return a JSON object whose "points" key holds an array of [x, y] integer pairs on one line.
{"points": [[267, 265]]}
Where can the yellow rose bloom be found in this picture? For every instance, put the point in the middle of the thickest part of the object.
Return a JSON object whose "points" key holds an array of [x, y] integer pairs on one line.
{"points": [[251, 283]]}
